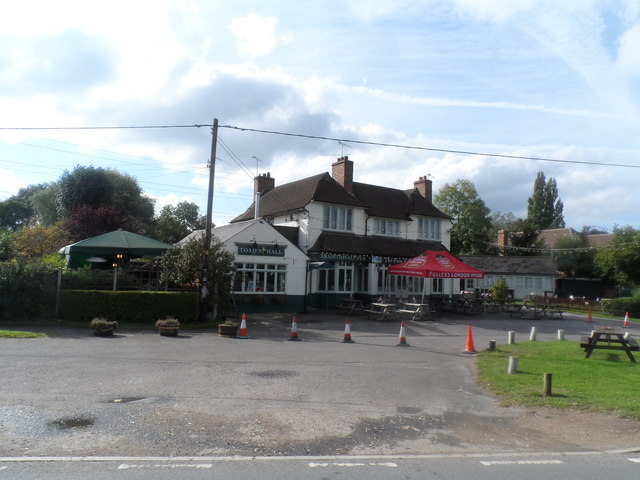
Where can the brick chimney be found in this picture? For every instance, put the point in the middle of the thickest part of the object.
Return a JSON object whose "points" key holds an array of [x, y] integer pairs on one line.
{"points": [[503, 238], [263, 183], [425, 187], [342, 172]]}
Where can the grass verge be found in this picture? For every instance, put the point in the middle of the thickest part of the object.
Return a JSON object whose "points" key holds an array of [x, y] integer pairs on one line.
{"points": [[16, 334], [607, 381]]}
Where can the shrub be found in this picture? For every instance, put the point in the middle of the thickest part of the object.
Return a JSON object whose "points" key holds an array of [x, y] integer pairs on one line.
{"points": [[27, 288], [139, 306], [499, 291], [617, 307]]}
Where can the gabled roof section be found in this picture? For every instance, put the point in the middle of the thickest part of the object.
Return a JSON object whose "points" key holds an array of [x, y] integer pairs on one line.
{"points": [[222, 233], [502, 265], [382, 201], [418, 205], [295, 196]]}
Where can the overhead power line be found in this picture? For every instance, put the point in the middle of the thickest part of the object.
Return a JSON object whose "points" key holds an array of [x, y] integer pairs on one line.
{"points": [[429, 149], [333, 139]]}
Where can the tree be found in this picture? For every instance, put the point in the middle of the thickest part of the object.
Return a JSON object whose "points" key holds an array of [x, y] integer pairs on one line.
{"points": [[505, 221], [544, 207], [573, 259], [524, 240], [182, 265], [35, 241], [105, 188], [471, 231], [15, 213], [86, 222], [621, 261], [45, 205], [176, 222], [6, 244]]}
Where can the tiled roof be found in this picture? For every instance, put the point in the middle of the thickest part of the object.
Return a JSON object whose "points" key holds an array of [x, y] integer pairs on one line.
{"points": [[496, 265], [599, 239], [378, 201], [371, 245]]}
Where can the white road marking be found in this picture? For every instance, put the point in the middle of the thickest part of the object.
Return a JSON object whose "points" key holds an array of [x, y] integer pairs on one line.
{"points": [[126, 466], [343, 464], [521, 462], [636, 460], [3, 467]]}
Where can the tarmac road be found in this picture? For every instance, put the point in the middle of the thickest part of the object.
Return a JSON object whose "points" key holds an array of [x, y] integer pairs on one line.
{"points": [[199, 394]]}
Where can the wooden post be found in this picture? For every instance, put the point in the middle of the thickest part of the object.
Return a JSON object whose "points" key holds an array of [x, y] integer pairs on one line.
{"points": [[492, 345], [512, 337], [513, 366], [546, 385]]}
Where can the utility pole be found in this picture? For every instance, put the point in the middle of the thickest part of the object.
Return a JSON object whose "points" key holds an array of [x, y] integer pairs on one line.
{"points": [[204, 293]]}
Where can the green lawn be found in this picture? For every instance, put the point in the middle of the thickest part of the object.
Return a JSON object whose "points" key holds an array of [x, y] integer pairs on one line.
{"points": [[607, 381], [14, 334]]}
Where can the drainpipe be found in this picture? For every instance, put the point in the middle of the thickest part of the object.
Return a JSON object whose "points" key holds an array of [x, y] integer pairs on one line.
{"points": [[256, 213]]}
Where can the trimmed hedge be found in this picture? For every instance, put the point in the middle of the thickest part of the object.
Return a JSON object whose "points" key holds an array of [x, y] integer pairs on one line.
{"points": [[138, 306], [617, 307]]}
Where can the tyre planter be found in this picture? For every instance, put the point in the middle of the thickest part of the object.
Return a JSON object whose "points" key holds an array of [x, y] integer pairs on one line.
{"points": [[105, 332], [168, 331], [225, 330]]}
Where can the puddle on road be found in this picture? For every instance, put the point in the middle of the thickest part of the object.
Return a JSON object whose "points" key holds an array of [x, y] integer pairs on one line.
{"points": [[132, 400], [70, 423]]}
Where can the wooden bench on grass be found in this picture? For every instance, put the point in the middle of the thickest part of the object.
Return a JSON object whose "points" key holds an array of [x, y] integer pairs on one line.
{"points": [[608, 338]]}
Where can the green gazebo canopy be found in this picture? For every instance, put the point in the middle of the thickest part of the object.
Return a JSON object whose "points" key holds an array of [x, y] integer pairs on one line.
{"points": [[110, 244]]}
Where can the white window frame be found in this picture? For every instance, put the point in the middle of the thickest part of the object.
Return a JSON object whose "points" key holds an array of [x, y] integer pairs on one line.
{"points": [[337, 218], [387, 228], [267, 278], [429, 229]]}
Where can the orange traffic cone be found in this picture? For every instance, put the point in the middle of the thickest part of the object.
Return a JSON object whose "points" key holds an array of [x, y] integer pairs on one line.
{"points": [[402, 341], [347, 333], [626, 320], [589, 317], [243, 327], [470, 348], [294, 331]]}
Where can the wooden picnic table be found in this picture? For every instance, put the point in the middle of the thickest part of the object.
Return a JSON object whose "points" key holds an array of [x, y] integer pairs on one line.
{"points": [[349, 306], [380, 309], [609, 338], [418, 311]]}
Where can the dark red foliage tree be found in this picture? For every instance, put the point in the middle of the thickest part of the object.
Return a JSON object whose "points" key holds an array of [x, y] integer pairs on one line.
{"points": [[85, 222]]}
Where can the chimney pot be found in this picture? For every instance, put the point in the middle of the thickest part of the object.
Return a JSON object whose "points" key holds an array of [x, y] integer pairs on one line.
{"points": [[425, 187], [342, 172]]}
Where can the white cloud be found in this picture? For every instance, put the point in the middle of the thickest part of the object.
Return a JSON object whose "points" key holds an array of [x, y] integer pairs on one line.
{"points": [[255, 35]]}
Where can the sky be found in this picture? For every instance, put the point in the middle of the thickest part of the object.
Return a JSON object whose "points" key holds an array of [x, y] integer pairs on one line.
{"points": [[449, 83]]}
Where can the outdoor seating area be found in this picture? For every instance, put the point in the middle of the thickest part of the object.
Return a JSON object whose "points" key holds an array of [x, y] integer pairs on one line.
{"points": [[609, 338], [420, 309]]}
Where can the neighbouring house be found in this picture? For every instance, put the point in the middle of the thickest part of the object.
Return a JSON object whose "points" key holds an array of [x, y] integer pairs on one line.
{"points": [[550, 237], [350, 232], [525, 276], [594, 240], [270, 268]]}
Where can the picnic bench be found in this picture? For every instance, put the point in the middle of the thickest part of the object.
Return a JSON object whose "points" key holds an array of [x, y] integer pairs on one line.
{"points": [[609, 338], [380, 310], [417, 311], [550, 310], [349, 306]]}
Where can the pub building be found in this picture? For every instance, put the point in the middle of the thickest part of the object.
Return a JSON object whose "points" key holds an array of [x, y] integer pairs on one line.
{"points": [[335, 238]]}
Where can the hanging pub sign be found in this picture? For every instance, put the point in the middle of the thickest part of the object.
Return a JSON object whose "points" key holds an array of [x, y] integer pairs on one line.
{"points": [[260, 250]]}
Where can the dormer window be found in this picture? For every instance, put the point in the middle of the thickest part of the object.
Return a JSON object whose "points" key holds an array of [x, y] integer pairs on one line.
{"points": [[429, 229], [390, 228], [338, 218]]}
